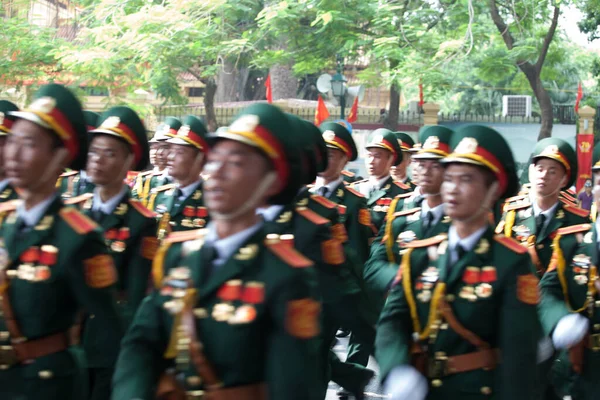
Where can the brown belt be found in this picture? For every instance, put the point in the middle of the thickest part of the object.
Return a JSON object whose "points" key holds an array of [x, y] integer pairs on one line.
{"points": [[442, 366]]}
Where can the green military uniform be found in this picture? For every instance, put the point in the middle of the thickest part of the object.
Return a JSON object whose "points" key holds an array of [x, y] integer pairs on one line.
{"points": [[456, 315], [407, 145], [7, 192], [256, 315], [49, 271], [350, 177]]}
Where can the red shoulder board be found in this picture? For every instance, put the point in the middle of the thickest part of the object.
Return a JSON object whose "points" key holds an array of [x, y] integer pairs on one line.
{"points": [[146, 173], [567, 201], [354, 191], [164, 187], [76, 220], [407, 212], [402, 185], [348, 173], [323, 201], [517, 206], [312, 216], [404, 195], [577, 211], [141, 209], [515, 198], [286, 251], [511, 244], [432, 241], [9, 206], [567, 230], [341, 209], [78, 199], [69, 173], [184, 236], [361, 181]]}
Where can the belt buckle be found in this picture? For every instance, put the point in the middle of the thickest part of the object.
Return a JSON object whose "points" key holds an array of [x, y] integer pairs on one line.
{"points": [[8, 357], [194, 395], [438, 367], [595, 342]]}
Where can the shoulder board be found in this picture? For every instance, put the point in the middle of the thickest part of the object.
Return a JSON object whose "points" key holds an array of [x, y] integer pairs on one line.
{"points": [[407, 212], [341, 209], [78, 199], [69, 173], [348, 173], [402, 185], [510, 243], [515, 198], [404, 195], [432, 241], [576, 210], [312, 216], [287, 253], [354, 192], [164, 188], [184, 236], [323, 201], [141, 208], [9, 206], [516, 206], [567, 230], [76, 220], [361, 181], [146, 173]]}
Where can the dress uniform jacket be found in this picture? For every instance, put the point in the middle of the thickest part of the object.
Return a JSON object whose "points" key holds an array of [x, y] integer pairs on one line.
{"points": [[145, 183], [51, 272], [568, 287], [70, 184], [8, 193], [491, 292], [256, 317]]}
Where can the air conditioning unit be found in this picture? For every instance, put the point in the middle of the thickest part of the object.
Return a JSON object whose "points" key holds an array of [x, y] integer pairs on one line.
{"points": [[413, 106], [516, 106]]}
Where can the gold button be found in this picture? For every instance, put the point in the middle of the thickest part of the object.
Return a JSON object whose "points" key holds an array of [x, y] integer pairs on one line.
{"points": [[436, 383], [486, 390], [444, 326], [4, 335], [200, 313], [195, 395], [540, 246], [597, 303], [450, 298], [45, 374], [596, 327], [92, 316], [194, 380]]}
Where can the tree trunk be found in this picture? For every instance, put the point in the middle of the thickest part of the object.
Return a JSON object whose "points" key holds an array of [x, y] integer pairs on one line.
{"points": [[226, 87], [209, 104], [283, 82], [543, 98], [391, 122]]}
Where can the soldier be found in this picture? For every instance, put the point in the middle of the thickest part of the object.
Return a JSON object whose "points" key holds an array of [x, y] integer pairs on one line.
{"points": [[569, 310], [400, 171], [7, 192], [53, 259], [180, 205], [236, 316], [535, 219], [464, 300], [383, 152]]}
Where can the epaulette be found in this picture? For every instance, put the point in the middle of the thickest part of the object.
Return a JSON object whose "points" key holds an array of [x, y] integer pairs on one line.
{"points": [[146, 173], [510, 243], [568, 202], [402, 185], [567, 230], [406, 212], [515, 198], [284, 249], [576, 210], [184, 236], [348, 173], [8, 206], [311, 216], [164, 188], [76, 220], [325, 202], [517, 206], [361, 181], [341, 209], [68, 173], [78, 199], [404, 195], [355, 192], [142, 209], [432, 241]]}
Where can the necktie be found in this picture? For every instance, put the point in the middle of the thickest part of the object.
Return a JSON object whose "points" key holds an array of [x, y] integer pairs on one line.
{"points": [[98, 215], [539, 223], [460, 251], [323, 191], [22, 228], [208, 255], [428, 220], [178, 193]]}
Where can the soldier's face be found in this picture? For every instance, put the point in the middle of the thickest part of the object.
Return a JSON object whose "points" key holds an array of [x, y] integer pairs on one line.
{"points": [[431, 176], [153, 149], [414, 170], [336, 162], [106, 160], [463, 191], [596, 186], [235, 170], [399, 171], [549, 176], [162, 155], [184, 162], [2, 142], [379, 162]]}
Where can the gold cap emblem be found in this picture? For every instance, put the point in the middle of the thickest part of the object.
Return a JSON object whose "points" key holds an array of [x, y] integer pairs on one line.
{"points": [[1, 118], [43, 104], [329, 135], [377, 139], [244, 124], [467, 146], [550, 150], [111, 123], [432, 142], [184, 130]]}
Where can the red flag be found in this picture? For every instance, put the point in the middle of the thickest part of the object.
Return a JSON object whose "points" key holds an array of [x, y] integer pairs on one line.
{"points": [[579, 97], [269, 91], [421, 101], [322, 113], [353, 116]]}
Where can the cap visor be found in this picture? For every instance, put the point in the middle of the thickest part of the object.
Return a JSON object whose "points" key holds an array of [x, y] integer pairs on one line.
{"points": [[110, 133], [461, 160], [179, 141], [234, 137], [427, 156], [30, 117]]}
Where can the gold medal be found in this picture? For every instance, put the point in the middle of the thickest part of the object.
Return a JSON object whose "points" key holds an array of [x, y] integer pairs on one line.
{"points": [[243, 315], [484, 290], [118, 246], [222, 312]]}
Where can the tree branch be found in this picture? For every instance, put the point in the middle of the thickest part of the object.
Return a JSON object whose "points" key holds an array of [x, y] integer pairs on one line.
{"points": [[501, 25], [548, 39]]}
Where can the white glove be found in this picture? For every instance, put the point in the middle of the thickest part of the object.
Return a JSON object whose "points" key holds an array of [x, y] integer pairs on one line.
{"points": [[570, 330], [545, 349], [405, 383]]}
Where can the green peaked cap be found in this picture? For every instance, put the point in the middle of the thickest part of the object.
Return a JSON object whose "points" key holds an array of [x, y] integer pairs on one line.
{"points": [[407, 141], [385, 139], [91, 119], [560, 151], [56, 108], [267, 128], [435, 142], [596, 158], [124, 123], [338, 137], [171, 125], [6, 119], [313, 150], [191, 133], [483, 146]]}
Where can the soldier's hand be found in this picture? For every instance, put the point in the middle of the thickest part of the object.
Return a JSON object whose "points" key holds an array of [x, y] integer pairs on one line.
{"points": [[570, 330], [405, 383]]}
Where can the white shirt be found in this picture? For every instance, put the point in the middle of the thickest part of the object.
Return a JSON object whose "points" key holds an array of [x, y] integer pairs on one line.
{"points": [[320, 182], [189, 189], [108, 206], [270, 213], [227, 246], [437, 211], [3, 184], [549, 213], [467, 243], [378, 183], [32, 216]]}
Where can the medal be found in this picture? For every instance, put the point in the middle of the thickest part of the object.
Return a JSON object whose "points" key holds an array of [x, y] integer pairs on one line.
{"points": [[243, 315], [222, 312], [424, 296], [484, 290], [581, 279]]}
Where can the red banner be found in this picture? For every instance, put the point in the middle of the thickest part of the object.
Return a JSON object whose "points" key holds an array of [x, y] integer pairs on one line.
{"points": [[585, 147], [321, 114], [269, 90], [353, 116]]}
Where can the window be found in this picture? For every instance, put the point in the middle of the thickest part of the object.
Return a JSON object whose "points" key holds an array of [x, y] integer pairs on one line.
{"points": [[195, 92]]}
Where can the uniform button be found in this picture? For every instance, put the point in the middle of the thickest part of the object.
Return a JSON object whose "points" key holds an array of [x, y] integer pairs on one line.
{"points": [[597, 303], [4, 335], [540, 246], [193, 380], [450, 298], [444, 326], [436, 383], [596, 327], [486, 390], [92, 316], [45, 374]]}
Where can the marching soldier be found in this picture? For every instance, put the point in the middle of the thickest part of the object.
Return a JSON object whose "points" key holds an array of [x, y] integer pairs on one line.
{"points": [[535, 219], [53, 259], [466, 300], [7, 192], [180, 205], [236, 317], [400, 171], [383, 152]]}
